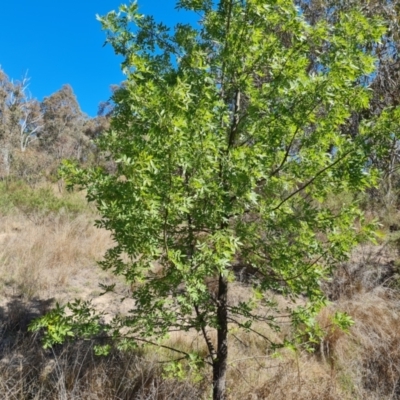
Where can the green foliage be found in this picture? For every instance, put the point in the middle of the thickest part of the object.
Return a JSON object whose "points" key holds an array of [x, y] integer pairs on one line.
{"points": [[227, 148], [176, 369], [37, 202], [82, 323], [342, 321], [310, 333]]}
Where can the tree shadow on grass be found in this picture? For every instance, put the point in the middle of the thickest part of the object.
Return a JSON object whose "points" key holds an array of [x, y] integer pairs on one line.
{"points": [[17, 313], [71, 370]]}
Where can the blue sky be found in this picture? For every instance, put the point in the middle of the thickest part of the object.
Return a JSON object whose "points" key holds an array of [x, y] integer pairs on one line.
{"points": [[57, 42]]}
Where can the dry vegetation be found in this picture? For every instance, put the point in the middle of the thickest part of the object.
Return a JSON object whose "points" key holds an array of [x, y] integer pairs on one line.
{"points": [[48, 249]]}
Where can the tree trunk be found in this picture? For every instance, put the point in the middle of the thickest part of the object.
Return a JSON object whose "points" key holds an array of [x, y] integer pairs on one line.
{"points": [[220, 363]]}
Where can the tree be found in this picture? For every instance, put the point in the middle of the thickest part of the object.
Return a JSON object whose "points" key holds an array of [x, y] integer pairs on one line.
{"points": [[384, 83], [227, 145], [63, 133], [20, 118]]}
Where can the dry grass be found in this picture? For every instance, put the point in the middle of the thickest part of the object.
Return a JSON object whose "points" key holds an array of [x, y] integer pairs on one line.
{"points": [[367, 361], [256, 372], [46, 259], [73, 372]]}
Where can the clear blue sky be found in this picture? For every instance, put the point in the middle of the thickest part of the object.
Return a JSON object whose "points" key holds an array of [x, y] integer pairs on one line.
{"points": [[57, 42]]}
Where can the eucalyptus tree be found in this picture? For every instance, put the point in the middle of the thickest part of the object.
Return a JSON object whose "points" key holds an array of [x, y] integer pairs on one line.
{"points": [[63, 134], [21, 120], [227, 145]]}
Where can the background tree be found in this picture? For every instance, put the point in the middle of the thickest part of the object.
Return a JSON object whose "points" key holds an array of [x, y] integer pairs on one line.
{"points": [[21, 120], [53, 129], [227, 145], [384, 83], [95, 127], [63, 133]]}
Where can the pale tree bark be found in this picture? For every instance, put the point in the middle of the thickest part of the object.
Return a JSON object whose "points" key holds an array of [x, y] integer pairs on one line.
{"points": [[20, 119], [30, 123]]}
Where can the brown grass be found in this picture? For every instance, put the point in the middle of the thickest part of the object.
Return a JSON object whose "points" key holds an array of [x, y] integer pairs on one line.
{"points": [[368, 359], [73, 372], [46, 259]]}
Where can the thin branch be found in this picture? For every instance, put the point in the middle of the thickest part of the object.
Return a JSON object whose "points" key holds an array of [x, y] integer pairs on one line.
{"points": [[311, 181], [209, 344], [252, 330], [151, 343], [228, 25], [252, 358]]}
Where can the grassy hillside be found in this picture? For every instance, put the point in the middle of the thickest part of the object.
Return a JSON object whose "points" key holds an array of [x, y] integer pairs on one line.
{"points": [[48, 253]]}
